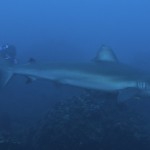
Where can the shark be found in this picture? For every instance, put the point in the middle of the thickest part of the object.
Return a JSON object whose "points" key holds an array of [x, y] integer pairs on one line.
{"points": [[103, 73]]}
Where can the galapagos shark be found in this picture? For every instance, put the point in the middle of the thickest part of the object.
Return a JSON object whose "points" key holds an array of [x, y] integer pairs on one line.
{"points": [[104, 73]]}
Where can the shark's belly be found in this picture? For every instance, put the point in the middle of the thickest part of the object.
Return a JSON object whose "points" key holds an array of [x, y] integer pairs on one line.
{"points": [[106, 85], [90, 81]]}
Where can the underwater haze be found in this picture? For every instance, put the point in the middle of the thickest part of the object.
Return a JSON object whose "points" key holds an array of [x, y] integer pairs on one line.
{"points": [[49, 29], [44, 115]]}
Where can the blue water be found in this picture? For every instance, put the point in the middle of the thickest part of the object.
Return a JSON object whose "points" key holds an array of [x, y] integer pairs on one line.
{"points": [[73, 31]]}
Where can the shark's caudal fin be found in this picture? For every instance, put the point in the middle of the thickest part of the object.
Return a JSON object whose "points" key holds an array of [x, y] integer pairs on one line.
{"points": [[5, 76], [105, 54]]}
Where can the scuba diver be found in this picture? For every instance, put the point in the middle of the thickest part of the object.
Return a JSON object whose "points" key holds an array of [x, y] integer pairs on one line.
{"points": [[8, 52]]}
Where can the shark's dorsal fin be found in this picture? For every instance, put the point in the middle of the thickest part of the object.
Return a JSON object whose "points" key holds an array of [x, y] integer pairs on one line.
{"points": [[105, 53]]}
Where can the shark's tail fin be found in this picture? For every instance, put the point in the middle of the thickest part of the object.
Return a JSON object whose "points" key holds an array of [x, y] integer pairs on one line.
{"points": [[5, 73], [5, 76]]}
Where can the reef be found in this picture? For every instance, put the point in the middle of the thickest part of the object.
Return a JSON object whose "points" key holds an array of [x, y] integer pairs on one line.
{"points": [[91, 121]]}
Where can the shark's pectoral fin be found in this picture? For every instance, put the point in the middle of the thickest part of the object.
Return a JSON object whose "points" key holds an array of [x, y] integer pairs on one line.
{"points": [[30, 79], [127, 94], [31, 60], [5, 76]]}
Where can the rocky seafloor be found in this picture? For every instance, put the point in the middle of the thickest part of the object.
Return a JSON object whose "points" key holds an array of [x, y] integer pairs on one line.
{"points": [[91, 121]]}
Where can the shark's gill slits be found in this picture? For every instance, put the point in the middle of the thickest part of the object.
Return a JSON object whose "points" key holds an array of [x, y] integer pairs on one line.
{"points": [[142, 85]]}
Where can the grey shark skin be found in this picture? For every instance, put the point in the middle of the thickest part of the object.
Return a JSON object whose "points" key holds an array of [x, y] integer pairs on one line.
{"points": [[105, 74]]}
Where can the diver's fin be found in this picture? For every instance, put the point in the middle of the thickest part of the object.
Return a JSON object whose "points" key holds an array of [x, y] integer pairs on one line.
{"points": [[5, 76], [127, 94], [105, 53]]}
